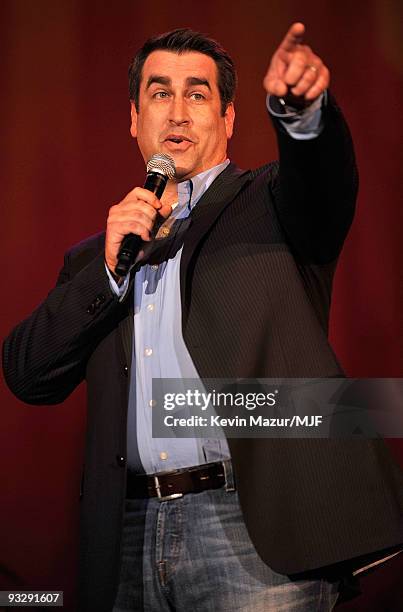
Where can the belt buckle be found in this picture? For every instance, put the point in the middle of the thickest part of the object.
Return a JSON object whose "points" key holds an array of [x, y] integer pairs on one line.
{"points": [[164, 497]]}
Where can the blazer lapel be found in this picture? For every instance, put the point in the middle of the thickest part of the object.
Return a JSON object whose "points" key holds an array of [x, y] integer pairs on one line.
{"points": [[126, 325], [126, 336], [219, 195]]}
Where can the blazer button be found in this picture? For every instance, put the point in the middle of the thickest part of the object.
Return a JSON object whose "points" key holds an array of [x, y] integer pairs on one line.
{"points": [[126, 370], [121, 461], [91, 308], [100, 299]]}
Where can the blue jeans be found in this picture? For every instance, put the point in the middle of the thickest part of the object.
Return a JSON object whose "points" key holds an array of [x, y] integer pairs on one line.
{"points": [[193, 554]]}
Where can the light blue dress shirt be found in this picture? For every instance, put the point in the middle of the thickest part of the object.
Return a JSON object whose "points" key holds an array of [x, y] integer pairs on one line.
{"points": [[159, 350]]}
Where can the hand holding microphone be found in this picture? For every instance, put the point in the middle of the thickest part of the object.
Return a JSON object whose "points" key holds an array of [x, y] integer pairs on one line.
{"points": [[131, 221]]}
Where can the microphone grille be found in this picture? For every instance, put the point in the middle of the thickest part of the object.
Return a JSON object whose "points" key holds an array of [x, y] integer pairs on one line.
{"points": [[164, 164]]}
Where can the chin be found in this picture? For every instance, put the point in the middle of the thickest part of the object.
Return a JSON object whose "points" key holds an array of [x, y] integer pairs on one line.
{"points": [[183, 173]]}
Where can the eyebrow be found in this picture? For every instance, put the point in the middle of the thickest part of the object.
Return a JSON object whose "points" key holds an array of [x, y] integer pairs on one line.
{"points": [[196, 81], [162, 80]]}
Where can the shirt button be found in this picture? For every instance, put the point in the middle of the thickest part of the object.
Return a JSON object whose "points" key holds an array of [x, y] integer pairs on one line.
{"points": [[150, 307], [152, 403], [163, 455], [148, 352], [154, 267]]}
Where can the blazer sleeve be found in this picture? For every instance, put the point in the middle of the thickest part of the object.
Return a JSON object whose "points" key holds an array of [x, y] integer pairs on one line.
{"points": [[315, 188], [44, 357]]}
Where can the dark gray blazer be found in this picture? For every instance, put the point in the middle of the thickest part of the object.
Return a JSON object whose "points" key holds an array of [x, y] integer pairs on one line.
{"points": [[256, 275]]}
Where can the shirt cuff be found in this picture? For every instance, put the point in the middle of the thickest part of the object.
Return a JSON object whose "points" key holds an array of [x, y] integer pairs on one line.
{"points": [[304, 124], [119, 290]]}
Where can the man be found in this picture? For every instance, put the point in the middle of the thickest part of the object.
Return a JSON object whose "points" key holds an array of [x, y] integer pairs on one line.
{"points": [[236, 284]]}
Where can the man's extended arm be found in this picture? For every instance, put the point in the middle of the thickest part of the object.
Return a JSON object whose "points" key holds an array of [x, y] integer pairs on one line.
{"points": [[316, 185]]}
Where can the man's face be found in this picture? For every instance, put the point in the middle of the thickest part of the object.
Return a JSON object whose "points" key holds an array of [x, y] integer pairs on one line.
{"points": [[180, 112]]}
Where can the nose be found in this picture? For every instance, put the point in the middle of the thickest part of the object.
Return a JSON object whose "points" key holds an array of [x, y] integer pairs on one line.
{"points": [[178, 111]]}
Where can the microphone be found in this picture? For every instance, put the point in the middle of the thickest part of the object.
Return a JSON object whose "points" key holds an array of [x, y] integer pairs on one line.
{"points": [[160, 168]]}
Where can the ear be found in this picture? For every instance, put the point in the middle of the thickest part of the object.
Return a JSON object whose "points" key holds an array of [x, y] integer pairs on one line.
{"points": [[229, 119], [133, 114]]}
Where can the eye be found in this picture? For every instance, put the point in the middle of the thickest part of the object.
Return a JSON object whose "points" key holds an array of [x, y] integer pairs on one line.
{"points": [[197, 96], [160, 95]]}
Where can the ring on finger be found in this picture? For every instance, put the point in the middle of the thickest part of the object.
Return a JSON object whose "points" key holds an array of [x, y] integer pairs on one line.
{"points": [[311, 67]]}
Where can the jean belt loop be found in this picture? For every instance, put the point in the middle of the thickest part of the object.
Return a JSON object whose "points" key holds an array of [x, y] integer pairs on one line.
{"points": [[229, 475]]}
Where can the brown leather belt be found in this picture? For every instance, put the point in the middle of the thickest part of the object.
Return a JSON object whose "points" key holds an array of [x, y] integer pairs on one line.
{"points": [[176, 483]]}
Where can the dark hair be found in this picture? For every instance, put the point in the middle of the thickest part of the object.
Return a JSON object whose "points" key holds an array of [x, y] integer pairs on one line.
{"points": [[183, 40]]}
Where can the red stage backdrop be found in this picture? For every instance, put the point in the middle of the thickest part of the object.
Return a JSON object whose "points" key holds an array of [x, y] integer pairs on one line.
{"points": [[67, 156]]}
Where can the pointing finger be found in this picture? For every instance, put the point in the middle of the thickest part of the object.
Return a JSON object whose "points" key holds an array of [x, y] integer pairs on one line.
{"points": [[293, 37]]}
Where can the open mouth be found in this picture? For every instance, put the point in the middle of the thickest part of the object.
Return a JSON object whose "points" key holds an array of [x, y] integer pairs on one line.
{"points": [[177, 138], [177, 143]]}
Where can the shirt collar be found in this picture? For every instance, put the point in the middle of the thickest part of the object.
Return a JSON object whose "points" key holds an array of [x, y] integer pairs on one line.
{"points": [[190, 191]]}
